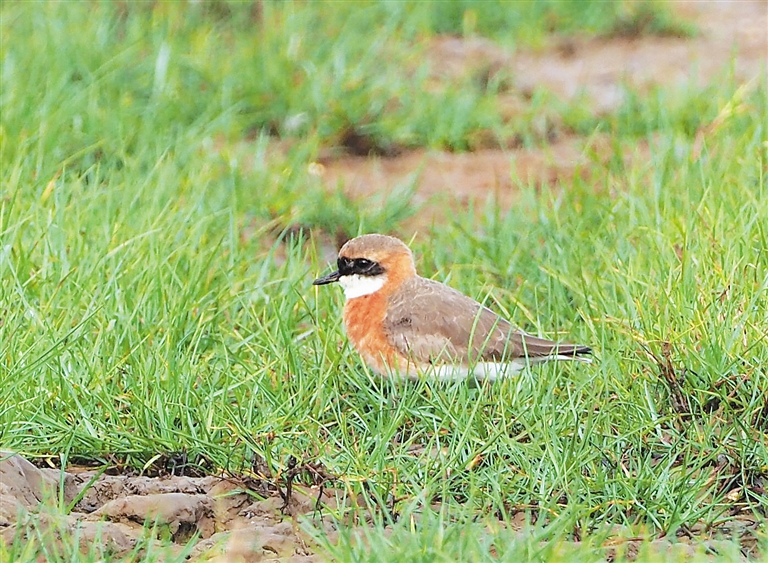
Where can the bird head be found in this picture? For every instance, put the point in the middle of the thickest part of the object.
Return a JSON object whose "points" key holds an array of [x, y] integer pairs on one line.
{"points": [[369, 263]]}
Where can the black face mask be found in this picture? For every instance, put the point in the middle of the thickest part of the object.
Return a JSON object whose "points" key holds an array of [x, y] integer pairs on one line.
{"points": [[350, 267]]}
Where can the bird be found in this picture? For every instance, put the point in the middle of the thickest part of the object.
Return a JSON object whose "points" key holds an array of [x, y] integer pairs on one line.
{"points": [[404, 325]]}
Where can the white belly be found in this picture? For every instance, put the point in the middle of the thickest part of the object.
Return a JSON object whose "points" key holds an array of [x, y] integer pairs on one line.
{"points": [[480, 371]]}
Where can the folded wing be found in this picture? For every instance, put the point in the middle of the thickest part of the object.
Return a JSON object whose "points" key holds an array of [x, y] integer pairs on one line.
{"points": [[431, 323]]}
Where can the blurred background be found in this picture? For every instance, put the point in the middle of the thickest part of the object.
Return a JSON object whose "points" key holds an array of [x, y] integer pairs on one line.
{"points": [[349, 116]]}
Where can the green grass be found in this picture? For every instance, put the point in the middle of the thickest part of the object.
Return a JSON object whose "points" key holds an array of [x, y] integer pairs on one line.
{"points": [[154, 302], [434, 537], [48, 538], [132, 79]]}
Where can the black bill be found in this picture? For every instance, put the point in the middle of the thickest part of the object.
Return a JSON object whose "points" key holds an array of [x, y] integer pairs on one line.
{"points": [[330, 278]]}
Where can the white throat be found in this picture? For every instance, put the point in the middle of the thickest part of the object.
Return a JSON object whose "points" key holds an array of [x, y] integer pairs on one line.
{"points": [[358, 286]]}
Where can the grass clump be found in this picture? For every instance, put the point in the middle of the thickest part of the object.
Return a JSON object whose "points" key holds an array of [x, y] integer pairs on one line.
{"points": [[639, 19], [432, 536]]}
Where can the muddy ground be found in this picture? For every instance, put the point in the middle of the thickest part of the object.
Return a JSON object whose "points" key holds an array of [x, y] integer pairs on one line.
{"points": [[248, 522]]}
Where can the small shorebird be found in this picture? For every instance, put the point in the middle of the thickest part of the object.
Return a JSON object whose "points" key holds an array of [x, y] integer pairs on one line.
{"points": [[403, 324]]}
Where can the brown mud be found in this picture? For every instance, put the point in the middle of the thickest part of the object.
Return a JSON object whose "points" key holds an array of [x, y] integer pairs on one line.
{"points": [[237, 521]]}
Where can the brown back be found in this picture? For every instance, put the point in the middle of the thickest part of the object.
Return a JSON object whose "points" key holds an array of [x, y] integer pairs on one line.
{"points": [[429, 322]]}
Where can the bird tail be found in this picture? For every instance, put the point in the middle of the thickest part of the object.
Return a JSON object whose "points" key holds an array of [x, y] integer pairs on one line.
{"points": [[540, 350], [559, 357]]}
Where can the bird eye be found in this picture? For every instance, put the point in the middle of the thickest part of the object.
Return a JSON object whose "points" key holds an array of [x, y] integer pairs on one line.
{"points": [[363, 263]]}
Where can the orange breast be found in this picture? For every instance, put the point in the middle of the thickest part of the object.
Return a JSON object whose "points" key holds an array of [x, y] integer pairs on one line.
{"points": [[364, 321]]}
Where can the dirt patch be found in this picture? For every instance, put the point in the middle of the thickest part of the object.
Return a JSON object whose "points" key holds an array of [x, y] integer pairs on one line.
{"points": [[601, 67], [246, 522], [598, 68], [444, 180], [235, 522]]}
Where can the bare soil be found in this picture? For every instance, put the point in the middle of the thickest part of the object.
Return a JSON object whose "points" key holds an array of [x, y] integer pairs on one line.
{"points": [[601, 67], [729, 32], [236, 522], [445, 180]]}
